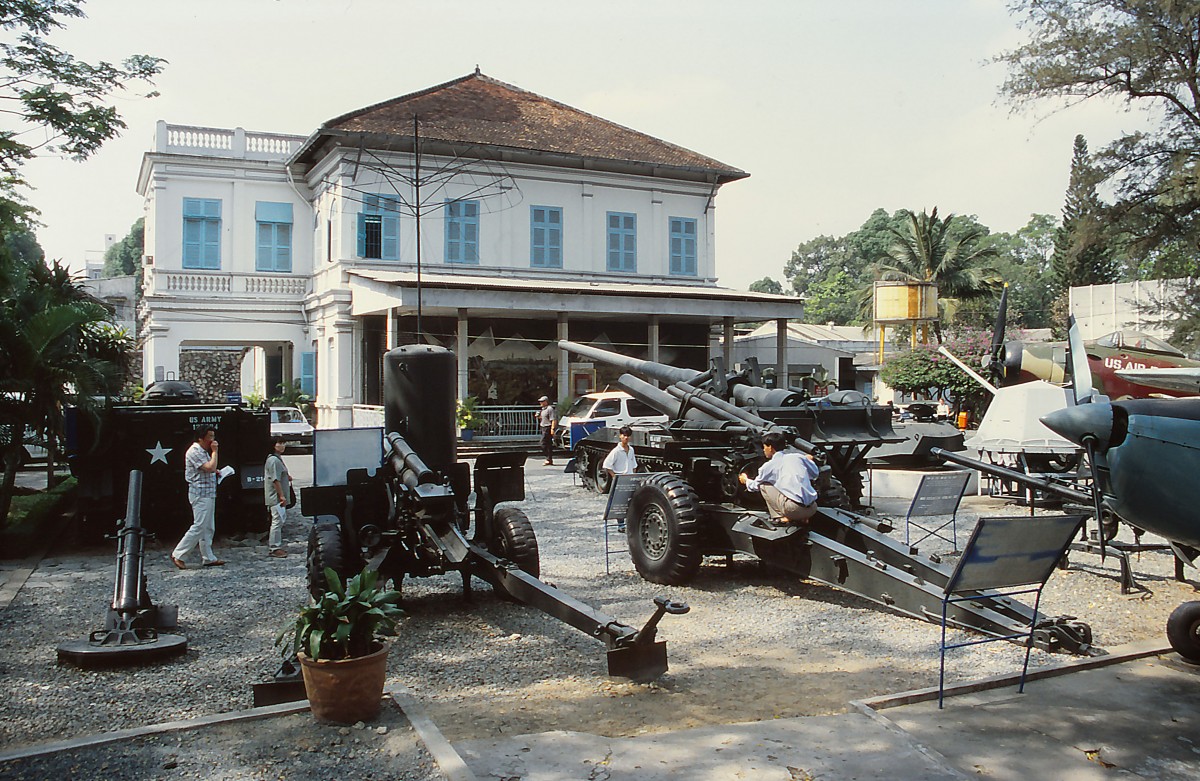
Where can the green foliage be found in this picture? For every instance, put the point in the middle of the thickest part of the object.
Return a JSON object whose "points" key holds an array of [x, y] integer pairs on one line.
{"points": [[465, 415], [924, 372], [766, 285], [951, 252], [1082, 250], [291, 394], [347, 621], [125, 257], [58, 100], [1141, 53]]}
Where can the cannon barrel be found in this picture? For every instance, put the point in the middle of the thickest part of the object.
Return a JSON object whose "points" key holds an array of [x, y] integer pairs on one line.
{"points": [[651, 370], [127, 593], [723, 410], [660, 399], [1062, 491], [407, 465]]}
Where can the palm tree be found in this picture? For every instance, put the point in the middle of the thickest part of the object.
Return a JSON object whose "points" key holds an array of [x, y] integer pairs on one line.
{"points": [[927, 249], [60, 349]]}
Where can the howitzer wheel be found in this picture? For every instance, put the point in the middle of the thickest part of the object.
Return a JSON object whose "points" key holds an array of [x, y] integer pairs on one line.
{"points": [[1183, 631], [664, 530], [516, 541], [327, 548], [600, 476]]}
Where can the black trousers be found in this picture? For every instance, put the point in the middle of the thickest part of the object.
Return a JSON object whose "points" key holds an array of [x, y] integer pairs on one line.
{"points": [[547, 444]]}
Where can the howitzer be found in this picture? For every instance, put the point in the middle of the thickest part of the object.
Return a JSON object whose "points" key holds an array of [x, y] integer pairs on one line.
{"points": [[840, 434], [131, 626], [410, 514], [694, 506]]}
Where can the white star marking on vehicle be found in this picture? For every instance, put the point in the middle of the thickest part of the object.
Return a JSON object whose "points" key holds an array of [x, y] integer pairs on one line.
{"points": [[158, 452]]}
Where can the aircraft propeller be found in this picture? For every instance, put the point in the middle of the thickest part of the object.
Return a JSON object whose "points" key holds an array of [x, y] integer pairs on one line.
{"points": [[995, 360], [1080, 423]]}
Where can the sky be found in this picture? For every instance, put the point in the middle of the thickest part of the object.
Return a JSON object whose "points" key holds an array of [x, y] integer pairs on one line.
{"points": [[834, 108]]}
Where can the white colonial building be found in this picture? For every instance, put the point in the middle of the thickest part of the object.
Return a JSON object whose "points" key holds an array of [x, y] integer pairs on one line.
{"points": [[472, 214]]}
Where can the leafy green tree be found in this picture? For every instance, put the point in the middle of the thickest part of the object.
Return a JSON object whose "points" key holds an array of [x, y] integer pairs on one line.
{"points": [[927, 249], [125, 256], [1142, 53], [766, 285], [60, 349], [924, 372], [1082, 253], [832, 299]]}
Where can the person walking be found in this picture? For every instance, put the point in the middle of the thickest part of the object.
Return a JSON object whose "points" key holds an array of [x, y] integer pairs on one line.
{"points": [[277, 490], [785, 481], [200, 471], [548, 422]]}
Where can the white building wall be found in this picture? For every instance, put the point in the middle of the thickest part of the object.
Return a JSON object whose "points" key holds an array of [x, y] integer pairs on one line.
{"points": [[1102, 309], [505, 195]]}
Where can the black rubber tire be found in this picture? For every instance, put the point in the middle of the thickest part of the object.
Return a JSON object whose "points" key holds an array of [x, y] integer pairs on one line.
{"points": [[600, 476], [663, 530], [834, 495], [327, 548], [1183, 631], [517, 542]]}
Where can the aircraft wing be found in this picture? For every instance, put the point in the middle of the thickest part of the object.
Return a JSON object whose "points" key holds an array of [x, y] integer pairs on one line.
{"points": [[1183, 379]]}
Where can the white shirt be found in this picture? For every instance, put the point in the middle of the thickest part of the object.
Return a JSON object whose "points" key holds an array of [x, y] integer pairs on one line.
{"points": [[621, 461], [792, 473]]}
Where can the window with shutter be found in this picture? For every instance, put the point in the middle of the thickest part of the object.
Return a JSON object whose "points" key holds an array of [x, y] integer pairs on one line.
{"points": [[202, 233], [546, 240]]}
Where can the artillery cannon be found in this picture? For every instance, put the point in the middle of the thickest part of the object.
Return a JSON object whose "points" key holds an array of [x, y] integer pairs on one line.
{"points": [[410, 513], [841, 428], [692, 505], [132, 626]]}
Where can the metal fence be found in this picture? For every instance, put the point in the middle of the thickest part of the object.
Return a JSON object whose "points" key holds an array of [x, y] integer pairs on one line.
{"points": [[507, 421], [499, 421]]}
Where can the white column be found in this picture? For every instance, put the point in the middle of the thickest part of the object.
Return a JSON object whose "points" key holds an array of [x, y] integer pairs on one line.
{"points": [[393, 335], [160, 355], [781, 353], [727, 350], [460, 351], [342, 362], [564, 366]]}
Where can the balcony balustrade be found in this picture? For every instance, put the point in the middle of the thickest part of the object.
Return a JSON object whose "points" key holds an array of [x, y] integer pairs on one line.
{"points": [[224, 283]]}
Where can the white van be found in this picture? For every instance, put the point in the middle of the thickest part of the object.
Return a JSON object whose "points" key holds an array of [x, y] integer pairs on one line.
{"points": [[614, 408], [291, 423]]}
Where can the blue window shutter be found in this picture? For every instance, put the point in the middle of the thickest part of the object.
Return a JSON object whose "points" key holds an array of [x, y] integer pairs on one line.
{"points": [[391, 237], [545, 238], [362, 235], [283, 247], [308, 374]]}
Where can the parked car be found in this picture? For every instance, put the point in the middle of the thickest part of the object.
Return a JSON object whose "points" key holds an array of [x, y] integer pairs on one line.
{"points": [[291, 423], [613, 408]]}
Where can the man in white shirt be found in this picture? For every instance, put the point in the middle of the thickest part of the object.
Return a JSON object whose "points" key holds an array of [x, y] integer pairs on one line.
{"points": [[785, 481], [621, 460]]}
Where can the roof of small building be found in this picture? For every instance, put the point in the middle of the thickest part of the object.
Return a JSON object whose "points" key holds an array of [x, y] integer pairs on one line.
{"points": [[815, 332], [478, 110]]}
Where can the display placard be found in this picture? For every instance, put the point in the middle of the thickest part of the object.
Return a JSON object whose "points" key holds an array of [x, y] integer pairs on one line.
{"points": [[621, 492]]}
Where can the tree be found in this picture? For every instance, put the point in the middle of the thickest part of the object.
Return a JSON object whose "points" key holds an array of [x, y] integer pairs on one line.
{"points": [[125, 257], [928, 249], [924, 372], [766, 285], [1143, 53], [1082, 254]]}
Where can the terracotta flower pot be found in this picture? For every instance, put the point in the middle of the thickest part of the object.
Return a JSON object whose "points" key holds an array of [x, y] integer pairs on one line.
{"points": [[344, 691]]}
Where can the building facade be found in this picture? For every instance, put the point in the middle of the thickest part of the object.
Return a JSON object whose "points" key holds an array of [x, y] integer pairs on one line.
{"points": [[473, 214]]}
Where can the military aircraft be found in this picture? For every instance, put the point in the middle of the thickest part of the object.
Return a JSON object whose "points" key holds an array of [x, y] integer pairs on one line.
{"points": [[1115, 360], [1144, 455]]}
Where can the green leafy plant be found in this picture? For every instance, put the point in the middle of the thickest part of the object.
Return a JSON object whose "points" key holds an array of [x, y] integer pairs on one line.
{"points": [[291, 394], [348, 621], [465, 414]]}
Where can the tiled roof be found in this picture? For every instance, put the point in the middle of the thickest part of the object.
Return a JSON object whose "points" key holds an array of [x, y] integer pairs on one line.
{"points": [[479, 110]]}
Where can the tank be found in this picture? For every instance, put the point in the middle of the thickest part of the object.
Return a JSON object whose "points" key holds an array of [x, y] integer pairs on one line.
{"points": [[420, 401]]}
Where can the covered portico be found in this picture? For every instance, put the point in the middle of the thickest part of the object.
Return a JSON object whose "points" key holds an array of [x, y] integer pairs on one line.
{"points": [[679, 324]]}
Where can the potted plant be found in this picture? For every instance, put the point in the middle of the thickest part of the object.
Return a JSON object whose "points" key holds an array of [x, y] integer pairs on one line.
{"points": [[466, 418], [338, 640]]}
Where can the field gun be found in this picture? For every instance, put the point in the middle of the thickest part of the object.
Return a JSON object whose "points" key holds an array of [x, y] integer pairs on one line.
{"points": [[691, 504], [410, 513], [841, 428]]}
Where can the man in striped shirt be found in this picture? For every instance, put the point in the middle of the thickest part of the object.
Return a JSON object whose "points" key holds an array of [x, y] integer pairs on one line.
{"points": [[200, 471]]}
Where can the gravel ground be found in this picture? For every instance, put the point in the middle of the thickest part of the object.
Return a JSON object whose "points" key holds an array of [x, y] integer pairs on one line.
{"points": [[757, 645]]}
